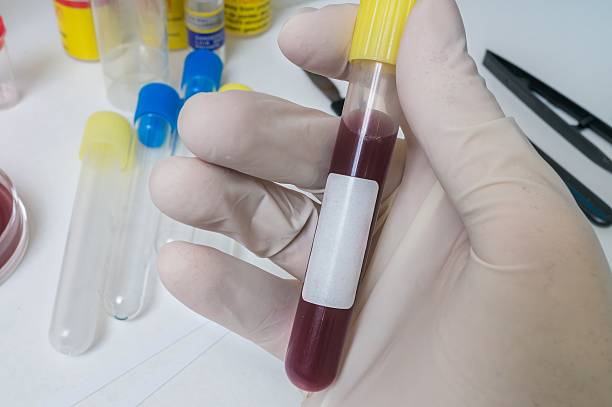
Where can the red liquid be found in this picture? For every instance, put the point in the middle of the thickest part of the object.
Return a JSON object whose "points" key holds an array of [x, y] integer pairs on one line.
{"points": [[6, 207], [318, 333], [10, 237]]}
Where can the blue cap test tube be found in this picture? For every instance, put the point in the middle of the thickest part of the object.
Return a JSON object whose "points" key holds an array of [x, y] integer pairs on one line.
{"points": [[201, 73], [133, 251]]}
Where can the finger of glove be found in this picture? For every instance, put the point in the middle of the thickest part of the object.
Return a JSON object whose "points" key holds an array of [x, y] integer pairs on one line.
{"points": [[267, 137], [323, 50], [268, 219], [243, 298], [260, 135], [498, 184]]}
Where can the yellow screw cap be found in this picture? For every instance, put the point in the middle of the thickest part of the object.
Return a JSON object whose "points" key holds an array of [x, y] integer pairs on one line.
{"points": [[108, 133], [378, 29], [234, 86]]}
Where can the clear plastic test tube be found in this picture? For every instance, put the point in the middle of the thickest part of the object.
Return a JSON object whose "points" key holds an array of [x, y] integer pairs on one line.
{"points": [[201, 73], [155, 119], [105, 154], [359, 164], [132, 42], [234, 249], [9, 95]]}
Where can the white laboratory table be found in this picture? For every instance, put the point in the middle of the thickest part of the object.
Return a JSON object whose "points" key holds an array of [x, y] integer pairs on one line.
{"points": [[169, 356]]}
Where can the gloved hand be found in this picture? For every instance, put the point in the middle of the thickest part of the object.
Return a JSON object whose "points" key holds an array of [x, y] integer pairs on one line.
{"points": [[487, 286]]}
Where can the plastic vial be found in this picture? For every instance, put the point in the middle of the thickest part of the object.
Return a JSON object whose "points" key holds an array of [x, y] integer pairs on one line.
{"points": [[13, 228], [234, 248], [133, 46], [155, 119], [205, 23], [201, 73], [359, 164], [247, 18], [168, 229], [76, 25], [105, 168], [9, 95], [177, 32]]}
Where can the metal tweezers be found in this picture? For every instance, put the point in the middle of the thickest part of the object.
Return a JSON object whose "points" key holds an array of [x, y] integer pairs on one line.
{"points": [[528, 88]]}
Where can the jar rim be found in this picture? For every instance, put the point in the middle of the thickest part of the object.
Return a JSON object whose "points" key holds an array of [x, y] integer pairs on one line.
{"points": [[14, 237]]}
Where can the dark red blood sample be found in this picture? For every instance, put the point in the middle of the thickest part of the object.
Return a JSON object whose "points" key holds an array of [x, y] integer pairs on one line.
{"points": [[362, 150], [9, 236], [6, 207]]}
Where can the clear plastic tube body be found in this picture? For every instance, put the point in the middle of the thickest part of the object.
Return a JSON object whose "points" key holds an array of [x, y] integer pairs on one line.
{"points": [[94, 220], [132, 256], [205, 23], [339, 255], [198, 84], [170, 230], [132, 42], [9, 95]]}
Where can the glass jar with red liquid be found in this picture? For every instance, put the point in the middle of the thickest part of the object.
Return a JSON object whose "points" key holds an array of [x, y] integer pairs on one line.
{"points": [[13, 228]]}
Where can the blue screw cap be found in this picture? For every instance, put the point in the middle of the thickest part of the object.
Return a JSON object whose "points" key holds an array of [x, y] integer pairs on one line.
{"points": [[159, 101], [201, 72]]}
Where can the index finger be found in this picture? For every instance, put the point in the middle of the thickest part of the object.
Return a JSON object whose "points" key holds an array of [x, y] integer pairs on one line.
{"points": [[260, 135], [323, 50]]}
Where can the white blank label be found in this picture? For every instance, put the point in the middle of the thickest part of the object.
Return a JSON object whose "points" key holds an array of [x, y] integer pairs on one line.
{"points": [[340, 241]]}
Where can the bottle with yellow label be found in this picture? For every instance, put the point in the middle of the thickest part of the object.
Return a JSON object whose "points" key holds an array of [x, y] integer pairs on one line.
{"points": [[247, 18], [177, 32], [206, 25], [76, 25]]}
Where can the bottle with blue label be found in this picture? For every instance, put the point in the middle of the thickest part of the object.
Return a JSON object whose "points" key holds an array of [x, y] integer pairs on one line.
{"points": [[205, 22]]}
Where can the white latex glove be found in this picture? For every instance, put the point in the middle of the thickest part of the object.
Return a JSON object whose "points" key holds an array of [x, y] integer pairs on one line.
{"points": [[487, 287]]}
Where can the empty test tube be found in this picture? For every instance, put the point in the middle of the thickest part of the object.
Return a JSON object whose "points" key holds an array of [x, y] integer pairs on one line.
{"points": [[105, 155], [155, 120], [201, 73], [234, 248]]}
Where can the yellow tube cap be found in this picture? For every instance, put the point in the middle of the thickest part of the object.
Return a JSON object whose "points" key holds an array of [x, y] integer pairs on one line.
{"points": [[378, 29], [108, 133], [234, 86]]}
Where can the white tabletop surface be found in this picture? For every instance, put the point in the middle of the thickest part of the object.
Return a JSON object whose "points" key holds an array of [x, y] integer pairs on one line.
{"points": [[169, 355]]}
